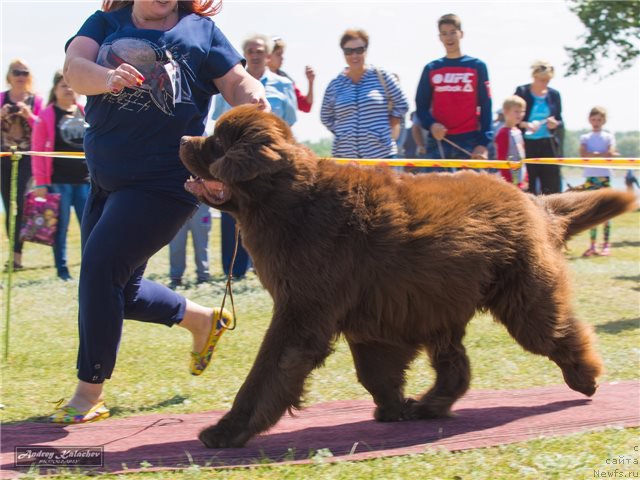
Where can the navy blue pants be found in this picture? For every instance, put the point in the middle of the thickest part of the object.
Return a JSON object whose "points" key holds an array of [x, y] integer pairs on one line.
{"points": [[120, 231], [228, 233], [548, 177]]}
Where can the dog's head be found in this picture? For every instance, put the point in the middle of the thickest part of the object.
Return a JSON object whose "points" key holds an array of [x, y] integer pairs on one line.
{"points": [[248, 150]]}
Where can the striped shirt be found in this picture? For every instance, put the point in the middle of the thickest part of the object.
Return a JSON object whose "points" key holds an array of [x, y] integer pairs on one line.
{"points": [[358, 116]]}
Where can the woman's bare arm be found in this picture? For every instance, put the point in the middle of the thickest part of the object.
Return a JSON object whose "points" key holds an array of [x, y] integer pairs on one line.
{"points": [[86, 77]]}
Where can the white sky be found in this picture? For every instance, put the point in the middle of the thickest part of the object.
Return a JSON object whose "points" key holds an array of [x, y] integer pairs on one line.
{"points": [[507, 35]]}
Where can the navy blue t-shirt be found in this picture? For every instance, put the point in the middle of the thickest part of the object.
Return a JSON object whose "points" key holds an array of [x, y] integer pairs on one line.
{"points": [[133, 137]]}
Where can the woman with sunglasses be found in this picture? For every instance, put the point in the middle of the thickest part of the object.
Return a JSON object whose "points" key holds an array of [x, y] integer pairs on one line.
{"points": [[361, 103], [541, 126], [20, 107]]}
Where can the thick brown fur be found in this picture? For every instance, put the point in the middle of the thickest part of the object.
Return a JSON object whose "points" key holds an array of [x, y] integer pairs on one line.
{"points": [[398, 264]]}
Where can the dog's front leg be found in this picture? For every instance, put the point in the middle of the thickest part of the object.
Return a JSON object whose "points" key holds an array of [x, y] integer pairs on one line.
{"points": [[288, 354]]}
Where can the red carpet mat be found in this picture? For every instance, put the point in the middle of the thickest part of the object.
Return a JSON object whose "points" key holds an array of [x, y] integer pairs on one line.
{"points": [[345, 428]]}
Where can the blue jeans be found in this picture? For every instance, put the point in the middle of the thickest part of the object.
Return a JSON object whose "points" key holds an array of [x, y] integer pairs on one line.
{"points": [[199, 225], [71, 195]]}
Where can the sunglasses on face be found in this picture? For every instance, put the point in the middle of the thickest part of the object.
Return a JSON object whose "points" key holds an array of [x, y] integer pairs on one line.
{"points": [[351, 51], [543, 68], [20, 73]]}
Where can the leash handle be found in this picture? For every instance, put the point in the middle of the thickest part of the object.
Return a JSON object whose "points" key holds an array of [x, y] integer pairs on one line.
{"points": [[455, 145], [227, 288]]}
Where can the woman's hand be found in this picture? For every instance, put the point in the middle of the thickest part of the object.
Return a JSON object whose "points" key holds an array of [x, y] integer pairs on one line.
{"points": [[40, 192], [532, 127], [310, 73], [262, 103], [24, 110], [123, 76], [4, 111], [552, 123]]}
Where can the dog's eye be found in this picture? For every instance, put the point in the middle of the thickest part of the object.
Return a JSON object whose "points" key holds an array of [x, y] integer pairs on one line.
{"points": [[216, 147]]}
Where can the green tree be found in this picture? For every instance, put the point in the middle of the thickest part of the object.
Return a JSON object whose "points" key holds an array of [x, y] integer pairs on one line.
{"points": [[628, 144], [613, 33], [322, 147]]}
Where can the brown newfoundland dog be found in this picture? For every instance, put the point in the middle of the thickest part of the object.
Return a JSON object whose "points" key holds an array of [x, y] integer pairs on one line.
{"points": [[398, 264]]}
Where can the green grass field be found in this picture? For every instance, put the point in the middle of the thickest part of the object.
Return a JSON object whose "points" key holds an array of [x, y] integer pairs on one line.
{"points": [[152, 376]]}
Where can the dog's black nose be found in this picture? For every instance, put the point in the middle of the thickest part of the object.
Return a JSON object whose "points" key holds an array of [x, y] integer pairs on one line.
{"points": [[184, 139]]}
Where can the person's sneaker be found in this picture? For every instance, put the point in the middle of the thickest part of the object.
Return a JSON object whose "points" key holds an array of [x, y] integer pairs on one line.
{"points": [[65, 276], [175, 283], [589, 252], [606, 250], [16, 266]]}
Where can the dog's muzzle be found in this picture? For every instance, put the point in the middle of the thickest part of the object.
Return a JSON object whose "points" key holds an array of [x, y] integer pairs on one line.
{"points": [[210, 192]]}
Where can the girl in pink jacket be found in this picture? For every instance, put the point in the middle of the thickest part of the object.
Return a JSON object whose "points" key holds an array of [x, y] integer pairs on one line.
{"points": [[60, 127]]}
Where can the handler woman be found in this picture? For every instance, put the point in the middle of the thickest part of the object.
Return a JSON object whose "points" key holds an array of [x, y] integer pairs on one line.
{"points": [[149, 70]]}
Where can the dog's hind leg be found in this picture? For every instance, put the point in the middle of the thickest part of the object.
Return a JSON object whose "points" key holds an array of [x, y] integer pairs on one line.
{"points": [[536, 313], [453, 375], [381, 370]]}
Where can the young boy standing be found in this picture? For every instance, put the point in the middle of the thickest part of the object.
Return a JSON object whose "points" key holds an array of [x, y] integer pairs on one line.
{"points": [[598, 143], [453, 98], [508, 140]]}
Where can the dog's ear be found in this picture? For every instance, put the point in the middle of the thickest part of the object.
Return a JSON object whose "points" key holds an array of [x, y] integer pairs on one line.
{"points": [[261, 146], [245, 162]]}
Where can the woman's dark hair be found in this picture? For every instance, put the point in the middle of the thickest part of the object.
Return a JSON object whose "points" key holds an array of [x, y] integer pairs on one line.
{"points": [[352, 34], [57, 78], [204, 8]]}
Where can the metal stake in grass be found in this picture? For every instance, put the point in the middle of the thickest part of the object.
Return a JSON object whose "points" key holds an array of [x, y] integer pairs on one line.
{"points": [[12, 210]]}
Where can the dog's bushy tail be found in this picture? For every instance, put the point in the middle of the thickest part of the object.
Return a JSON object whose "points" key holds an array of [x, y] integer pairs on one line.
{"points": [[574, 212]]}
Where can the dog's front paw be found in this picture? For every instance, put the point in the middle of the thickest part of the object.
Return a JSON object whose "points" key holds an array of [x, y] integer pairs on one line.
{"points": [[222, 435]]}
